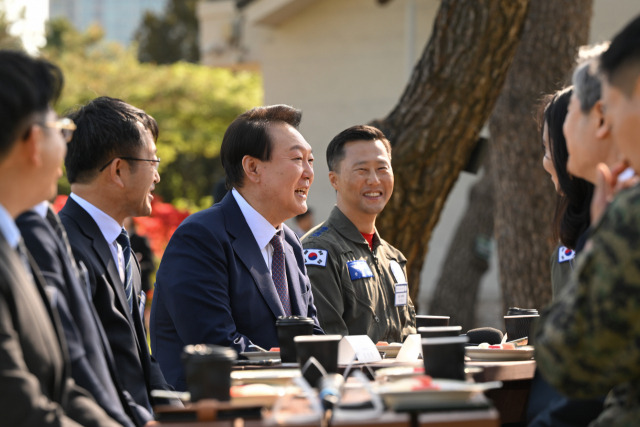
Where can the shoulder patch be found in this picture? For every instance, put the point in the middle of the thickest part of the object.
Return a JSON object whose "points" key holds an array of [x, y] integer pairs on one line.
{"points": [[319, 231], [359, 269], [315, 257], [565, 254]]}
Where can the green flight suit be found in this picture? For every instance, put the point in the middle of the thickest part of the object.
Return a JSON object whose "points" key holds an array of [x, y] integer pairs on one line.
{"points": [[353, 286], [588, 340]]}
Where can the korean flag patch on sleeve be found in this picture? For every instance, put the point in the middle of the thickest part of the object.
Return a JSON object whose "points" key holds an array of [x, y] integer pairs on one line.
{"points": [[565, 254], [315, 257]]}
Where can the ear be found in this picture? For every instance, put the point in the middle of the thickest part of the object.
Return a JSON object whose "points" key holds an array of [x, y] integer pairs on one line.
{"points": [[602, 130], [32, 145], [116, 170], [333, 179], [251, 167]]}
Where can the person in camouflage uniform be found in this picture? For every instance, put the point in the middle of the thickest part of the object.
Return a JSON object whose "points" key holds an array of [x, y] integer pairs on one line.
{"points": [[588, 341], [359, 280]]}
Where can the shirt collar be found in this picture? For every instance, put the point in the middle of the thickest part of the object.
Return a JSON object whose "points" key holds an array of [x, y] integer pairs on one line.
{"points": [[261, 229], [108, 226], [8, 228], [41, 208]]}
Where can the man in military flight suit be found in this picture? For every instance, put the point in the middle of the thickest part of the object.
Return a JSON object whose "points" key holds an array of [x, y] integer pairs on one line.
{"points": [[359, 280], [587, 342]]}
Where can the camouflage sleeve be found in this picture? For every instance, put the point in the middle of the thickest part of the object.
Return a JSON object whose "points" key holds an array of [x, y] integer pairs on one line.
{"points": [[586, 341]]}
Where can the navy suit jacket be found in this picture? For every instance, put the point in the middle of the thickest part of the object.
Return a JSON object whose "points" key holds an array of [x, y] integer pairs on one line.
{"points": [[138, 373], [36, 389], [92, 365], [214, 287]]}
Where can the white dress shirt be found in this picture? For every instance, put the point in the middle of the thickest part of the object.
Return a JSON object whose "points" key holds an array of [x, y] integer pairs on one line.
{"points": [[8, 228], [110, 230], [261, 229]]}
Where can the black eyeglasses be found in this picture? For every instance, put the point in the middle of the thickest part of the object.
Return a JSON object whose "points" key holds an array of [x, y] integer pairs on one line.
{"points": [[154, 162]]}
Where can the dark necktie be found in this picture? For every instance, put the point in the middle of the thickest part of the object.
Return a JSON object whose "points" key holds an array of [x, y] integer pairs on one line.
{"points": [[278, 273], [123, 241]]}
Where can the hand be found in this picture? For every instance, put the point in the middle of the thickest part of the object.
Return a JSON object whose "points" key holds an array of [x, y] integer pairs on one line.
{"points": [[151, 423], [607, 186]]}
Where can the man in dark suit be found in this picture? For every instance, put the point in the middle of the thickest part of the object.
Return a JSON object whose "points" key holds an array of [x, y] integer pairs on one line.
{"points": [[112, 167], [231, 270], [35, 384], [92, 364]]}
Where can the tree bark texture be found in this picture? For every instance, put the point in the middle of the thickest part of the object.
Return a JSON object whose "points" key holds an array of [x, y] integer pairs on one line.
{"points": [[467, 258], [524, 193], [436, 122]]}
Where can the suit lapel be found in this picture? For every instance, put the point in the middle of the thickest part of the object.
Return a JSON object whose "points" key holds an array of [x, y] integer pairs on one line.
{"points": [[245, 246], [34, 295], [100, 246]]}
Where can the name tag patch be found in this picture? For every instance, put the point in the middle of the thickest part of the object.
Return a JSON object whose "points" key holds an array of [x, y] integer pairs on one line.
{"points": [[359, 269], [315, 257], [402, 292]]}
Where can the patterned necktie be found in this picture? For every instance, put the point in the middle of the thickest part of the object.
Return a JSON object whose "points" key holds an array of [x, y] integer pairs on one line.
{"points": [[123, 241], [278, 273]]}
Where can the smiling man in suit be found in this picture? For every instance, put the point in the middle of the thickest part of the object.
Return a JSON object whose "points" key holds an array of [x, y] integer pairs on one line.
{"points": [[36, 388], [231, 270], [112, 167]]}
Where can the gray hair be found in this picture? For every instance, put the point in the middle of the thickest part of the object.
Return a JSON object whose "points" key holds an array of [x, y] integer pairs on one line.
{"points": [[586, 85], [585, 80]]}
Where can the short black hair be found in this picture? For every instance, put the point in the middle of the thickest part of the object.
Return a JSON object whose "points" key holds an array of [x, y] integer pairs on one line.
{"points": [[620, 64], [106, 128], [572, 216], [335, 149], [27, 86], [247, 136]]}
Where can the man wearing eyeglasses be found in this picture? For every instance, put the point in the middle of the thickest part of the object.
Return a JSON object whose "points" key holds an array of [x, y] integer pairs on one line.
{"points": [[36, 388], [112, 167]]}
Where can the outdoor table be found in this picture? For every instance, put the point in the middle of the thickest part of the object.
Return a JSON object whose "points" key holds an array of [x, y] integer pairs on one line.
{"points": [[510, 400]]}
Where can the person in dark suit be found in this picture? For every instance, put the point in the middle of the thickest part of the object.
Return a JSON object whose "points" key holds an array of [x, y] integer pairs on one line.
{"points": [[36, 388], [92, 364], [112, 168], [231, 270]]}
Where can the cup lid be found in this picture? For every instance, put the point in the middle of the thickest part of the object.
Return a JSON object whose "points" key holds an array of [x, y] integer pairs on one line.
{"points": [[285, 320], [440, 328], [445, 340], [429, 316], [317, 338], [212, 352]]}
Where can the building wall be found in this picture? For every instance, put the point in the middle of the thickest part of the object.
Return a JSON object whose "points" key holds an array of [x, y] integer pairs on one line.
{"points": [[119, 18]]}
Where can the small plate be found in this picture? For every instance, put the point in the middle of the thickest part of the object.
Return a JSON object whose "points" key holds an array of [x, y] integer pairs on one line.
{"points": [[255, 395], [389, 350], [521, 353], [260, 355], [264, 376], [403, 394]]}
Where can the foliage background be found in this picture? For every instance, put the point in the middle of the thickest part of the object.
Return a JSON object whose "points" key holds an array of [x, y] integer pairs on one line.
{"points": [[193, 105]]}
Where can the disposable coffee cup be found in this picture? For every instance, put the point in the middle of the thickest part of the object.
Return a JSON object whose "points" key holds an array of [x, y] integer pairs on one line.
{"points": [[443, 357], [439, 331], [317, 355], [519, 326], [423, 320], [288, 328], [208, 371]]}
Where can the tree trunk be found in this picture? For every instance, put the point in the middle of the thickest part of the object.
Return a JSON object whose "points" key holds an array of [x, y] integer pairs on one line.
{"points": [[467, 258], [525, 196], [438, 119]]}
